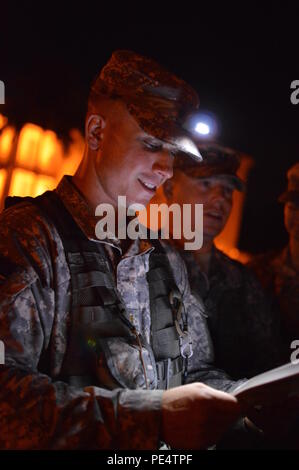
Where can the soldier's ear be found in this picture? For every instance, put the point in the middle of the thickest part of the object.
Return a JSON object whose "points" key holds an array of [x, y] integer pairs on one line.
{"points": [[94, 131], [168, 189]]}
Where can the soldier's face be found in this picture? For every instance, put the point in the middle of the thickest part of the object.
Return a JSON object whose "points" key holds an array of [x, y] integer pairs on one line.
{"points": [[291, 219], [215, 193], [131, 163]]}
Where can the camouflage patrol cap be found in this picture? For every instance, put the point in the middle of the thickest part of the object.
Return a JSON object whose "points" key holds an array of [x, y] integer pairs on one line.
{"points": [[292, 192], [157, 99], [217, 161]]}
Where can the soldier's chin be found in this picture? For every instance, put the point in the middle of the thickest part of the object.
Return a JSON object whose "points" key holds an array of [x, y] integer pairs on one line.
{"points": [[139, 204], [142, 199]]}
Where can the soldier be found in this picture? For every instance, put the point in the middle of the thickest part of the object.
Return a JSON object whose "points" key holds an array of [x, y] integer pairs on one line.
{"points": [[279, 272], [96, 330], [242, 325]]}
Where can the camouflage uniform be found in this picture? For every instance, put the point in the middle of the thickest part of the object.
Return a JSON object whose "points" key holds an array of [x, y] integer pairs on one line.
{"points": [[278, 274], [243, 326], [280, 279], [38, 411]]}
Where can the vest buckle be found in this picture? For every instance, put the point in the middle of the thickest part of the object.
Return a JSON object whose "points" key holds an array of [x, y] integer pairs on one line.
{"points": [[185, 342]]}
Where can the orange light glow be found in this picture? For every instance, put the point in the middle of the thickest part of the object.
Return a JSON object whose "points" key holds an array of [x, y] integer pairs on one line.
{"points": [[73, 155], [3, 121], [22, 183], [28, 146], [2, 181], [42, 184], [39, 157], [6, 143], [49, 153], [234, 253]]}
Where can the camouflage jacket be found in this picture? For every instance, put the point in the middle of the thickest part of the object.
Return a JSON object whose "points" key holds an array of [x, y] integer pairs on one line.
{"points": [[243, 324], [280, 279], [37, 411]]}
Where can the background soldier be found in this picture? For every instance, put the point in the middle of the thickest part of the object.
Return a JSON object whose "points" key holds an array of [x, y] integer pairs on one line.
{"points": [[243, 327], [279, 272]]}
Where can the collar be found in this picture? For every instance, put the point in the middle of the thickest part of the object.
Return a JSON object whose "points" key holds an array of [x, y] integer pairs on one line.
{"points": [[84, 217]]}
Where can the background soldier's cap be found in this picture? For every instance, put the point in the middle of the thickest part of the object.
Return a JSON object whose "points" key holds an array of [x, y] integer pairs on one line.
{"points": [[217, 161], [292, 192], [157, 99]]}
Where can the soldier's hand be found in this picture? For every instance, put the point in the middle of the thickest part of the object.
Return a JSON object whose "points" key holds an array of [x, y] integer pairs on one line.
{"points": [[195, 416]]}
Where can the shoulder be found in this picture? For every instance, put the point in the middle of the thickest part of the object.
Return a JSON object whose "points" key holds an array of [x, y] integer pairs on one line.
{"points": [[231, 267], [28, 238], [226, 260], [263, 266], [238, 273], [26, 222], [264, 259], [23, 213]]}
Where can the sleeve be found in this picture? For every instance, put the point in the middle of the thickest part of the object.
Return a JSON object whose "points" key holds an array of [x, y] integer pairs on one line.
{"points": [[200, 367], [35, 411]]}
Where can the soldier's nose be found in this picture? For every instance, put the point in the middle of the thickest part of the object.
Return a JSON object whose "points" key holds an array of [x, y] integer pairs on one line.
{"points": [[164, 166]]}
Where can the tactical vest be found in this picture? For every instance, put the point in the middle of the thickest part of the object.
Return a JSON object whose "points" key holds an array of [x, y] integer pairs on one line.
{"points": [[98, 313]]}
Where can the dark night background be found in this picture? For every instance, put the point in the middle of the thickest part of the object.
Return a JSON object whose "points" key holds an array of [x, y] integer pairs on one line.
{"points": [[241, 59]]}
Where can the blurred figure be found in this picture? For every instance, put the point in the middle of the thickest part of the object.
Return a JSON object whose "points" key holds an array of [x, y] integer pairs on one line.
{"points": [[244, 329], [278, 272]]}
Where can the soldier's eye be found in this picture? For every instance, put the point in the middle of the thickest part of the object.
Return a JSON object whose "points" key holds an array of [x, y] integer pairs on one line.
{"points": [[152, 147]]}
